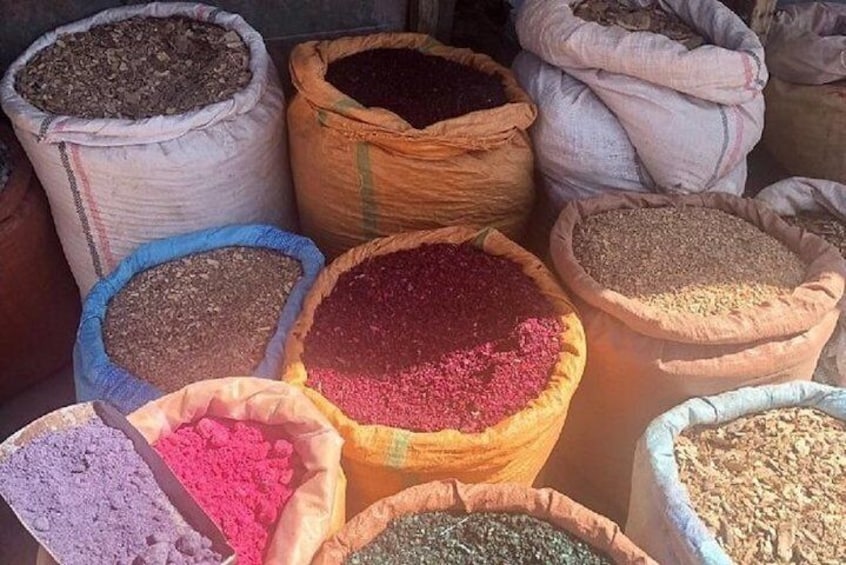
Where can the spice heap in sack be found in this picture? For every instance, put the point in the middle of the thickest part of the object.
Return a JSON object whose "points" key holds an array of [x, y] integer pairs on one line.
{"points": [[450, 522], [824, 224], [91, 498], [436, 337], [444, 353], [149, 121], [397, 133], [772, 486], [621, 107], [687, 260], [241, 473], [204, 315], [630, 17], [137, 68]]}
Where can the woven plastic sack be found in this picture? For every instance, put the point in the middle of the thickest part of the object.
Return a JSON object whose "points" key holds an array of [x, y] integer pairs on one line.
{"points": [[622, 111], [316, 509], [362, 173], [39, 305], [98, 378], [661, 517], [380, 460], [643, 360], [452, 496], [788, 198], [116, 183]]}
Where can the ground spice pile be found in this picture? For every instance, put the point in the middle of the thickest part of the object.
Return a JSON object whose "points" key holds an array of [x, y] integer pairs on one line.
{"points": [[687, 260], [93, 500], [205, 316], [771, 487], [421, 89], [137, 68], [440, 336], [483, 537], [5, 166], [635, 18], [241, 474], [824, 224]]}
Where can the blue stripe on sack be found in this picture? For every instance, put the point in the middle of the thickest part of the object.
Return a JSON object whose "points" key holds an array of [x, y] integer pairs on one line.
{"points": [[45, 125], [97, 378], [80, 210], [724, 148]]}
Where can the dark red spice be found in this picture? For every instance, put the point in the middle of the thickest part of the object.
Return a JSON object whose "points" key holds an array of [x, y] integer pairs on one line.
{"points": [[440, 336], [421, 89], [241, 474]]}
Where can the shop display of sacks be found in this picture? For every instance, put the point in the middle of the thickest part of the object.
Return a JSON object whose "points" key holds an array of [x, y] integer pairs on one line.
{"points": [[793, 196], [362, 173], [662, 519], [806, 97], [381, 460], [452, 496], [98, 378], [39, 304], [623, 111], [643, 360], [116, 183]]}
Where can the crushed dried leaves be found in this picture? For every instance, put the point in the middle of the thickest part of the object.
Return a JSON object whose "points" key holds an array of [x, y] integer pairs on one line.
{"points": [[635, 18], [137, 68], [771, 487], [690, 260], [205, 316], [824, 224]]}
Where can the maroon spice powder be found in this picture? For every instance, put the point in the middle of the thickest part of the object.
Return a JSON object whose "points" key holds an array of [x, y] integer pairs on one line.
{"points": [[437, 337]]}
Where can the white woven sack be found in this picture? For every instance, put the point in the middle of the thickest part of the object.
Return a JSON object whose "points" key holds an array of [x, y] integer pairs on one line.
{"points": [[638, 111], [788, 198], [116, 183]]}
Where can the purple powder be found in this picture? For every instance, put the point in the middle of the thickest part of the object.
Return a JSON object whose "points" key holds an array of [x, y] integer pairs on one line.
{"points": [[92, 499]]}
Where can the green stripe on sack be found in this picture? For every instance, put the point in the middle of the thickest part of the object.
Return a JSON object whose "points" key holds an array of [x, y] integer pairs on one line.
{"points": [[368, 200], [398, 449]]}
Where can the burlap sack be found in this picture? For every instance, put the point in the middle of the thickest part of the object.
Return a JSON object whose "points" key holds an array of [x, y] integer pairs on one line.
{"points": [[643, 361], [547, 505]]}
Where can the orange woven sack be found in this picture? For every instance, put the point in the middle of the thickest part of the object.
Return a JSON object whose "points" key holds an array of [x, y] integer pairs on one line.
{"points": [[39, 302], [362, 173], [602, 534], [643, 361], [316, 509], [381, 460]]}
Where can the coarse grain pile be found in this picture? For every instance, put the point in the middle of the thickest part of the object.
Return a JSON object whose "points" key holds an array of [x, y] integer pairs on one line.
{"points": [[5, 166], [483, 537], [241, 473], [824, 224], [690, 260], [441, 336], [421, 89], [771, 487], [635, 18], [137, 68], [207, 315], [93, 499]]}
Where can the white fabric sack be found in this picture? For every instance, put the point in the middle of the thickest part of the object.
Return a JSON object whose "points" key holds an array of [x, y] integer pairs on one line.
{"points": [[638, 111], [116, 183], [788, 198], [807, 43]]}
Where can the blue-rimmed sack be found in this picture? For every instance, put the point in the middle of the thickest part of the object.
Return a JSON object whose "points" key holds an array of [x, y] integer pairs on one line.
{"points": [[97, 377], [661, 519]]}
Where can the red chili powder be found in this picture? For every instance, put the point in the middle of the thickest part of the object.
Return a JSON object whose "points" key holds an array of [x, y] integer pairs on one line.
{"points": [[241, 474], [440, 336]]}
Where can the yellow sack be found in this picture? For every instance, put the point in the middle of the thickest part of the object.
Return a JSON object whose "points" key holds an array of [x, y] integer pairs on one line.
{"points": [[380, 460], [316, 509], [362, 173]]}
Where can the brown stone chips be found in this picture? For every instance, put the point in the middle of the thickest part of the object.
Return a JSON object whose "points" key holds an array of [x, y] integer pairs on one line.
{"points": [[686, 260], [205, 316], [771, 487], [632, 18], [137, 68]]}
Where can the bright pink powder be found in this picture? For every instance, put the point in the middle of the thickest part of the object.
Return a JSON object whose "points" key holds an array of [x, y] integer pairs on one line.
{"points": [[241, 474], [437, 337]]}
